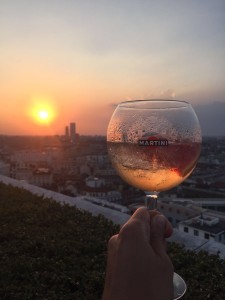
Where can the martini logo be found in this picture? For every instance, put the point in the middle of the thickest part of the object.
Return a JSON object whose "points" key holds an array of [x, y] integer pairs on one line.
{"points": [[152, 140]]}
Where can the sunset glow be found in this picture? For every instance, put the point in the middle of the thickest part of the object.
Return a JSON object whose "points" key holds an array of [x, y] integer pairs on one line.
{"points": [[74, 61]]}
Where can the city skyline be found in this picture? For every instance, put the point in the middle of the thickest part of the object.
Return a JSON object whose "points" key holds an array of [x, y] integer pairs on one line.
{"points": [[75, 60]]}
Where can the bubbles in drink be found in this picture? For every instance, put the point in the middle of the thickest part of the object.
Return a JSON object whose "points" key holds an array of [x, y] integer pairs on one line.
{"points": [[154, 168]]}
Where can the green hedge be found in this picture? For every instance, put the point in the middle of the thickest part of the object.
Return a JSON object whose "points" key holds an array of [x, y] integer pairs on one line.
{"points": [[49, 251]]}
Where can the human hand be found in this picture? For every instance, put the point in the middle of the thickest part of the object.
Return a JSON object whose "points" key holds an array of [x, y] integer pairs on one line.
{"points": [[138, 267]]}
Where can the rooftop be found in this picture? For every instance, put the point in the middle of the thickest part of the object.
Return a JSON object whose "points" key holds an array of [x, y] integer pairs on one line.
{"points": [[206, 223]]}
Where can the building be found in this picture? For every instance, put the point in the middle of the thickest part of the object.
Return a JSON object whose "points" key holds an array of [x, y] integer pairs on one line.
{"points": [[30, 158], [67, 132], [41, 177], [70, 134], [4, 168], [95, 187], [34, 167], [73, 132], [177, 210], [208, 225]]}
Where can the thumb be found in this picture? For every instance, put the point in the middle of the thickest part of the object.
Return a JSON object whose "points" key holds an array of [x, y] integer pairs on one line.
{"points": [[158, 227]]}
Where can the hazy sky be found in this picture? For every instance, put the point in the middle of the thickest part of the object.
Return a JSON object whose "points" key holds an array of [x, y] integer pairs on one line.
{"points": [[81, 57]]}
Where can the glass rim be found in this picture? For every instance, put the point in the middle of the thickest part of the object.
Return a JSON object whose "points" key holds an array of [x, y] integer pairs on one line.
{"points": [[177, 104]]}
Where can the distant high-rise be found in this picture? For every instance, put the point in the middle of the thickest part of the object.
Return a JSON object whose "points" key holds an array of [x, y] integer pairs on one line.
{"points": [[73, 132], [67, 132]]}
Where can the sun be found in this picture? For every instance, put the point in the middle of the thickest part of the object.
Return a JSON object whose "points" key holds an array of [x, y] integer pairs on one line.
{"points": [[42, 111], [43, 115]]}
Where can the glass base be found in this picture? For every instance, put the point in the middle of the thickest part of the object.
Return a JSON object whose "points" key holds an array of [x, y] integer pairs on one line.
{"points": [[179, 286]]}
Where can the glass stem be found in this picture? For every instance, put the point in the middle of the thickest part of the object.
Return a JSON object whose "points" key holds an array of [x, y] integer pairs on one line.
{"points": [[151, 200]]}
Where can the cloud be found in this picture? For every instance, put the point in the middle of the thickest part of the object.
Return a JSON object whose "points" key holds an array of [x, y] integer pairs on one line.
{"points": [[168, 94]]}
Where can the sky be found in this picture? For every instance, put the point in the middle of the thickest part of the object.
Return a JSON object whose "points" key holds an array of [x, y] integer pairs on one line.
{"points": [[77, 59]]}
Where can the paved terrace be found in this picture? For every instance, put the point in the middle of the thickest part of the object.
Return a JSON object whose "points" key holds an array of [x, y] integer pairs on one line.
{"points": [[190, 242]]}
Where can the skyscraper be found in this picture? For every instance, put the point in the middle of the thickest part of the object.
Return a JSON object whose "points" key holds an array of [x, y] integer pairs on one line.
{"points": [[73, 132], [67, 132]]}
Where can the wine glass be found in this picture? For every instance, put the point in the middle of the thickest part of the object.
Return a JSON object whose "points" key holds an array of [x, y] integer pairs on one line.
{"points": [[154, 145]]}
